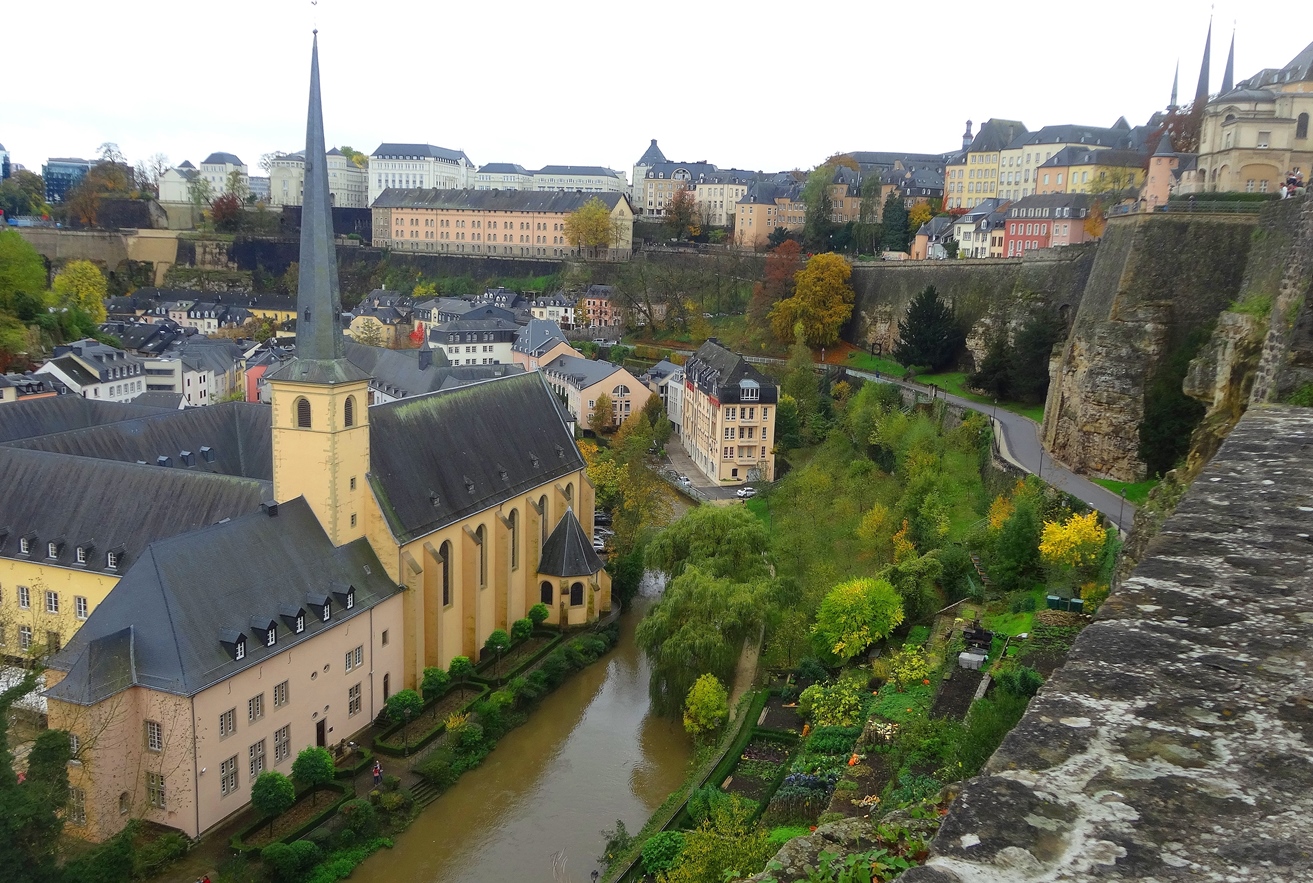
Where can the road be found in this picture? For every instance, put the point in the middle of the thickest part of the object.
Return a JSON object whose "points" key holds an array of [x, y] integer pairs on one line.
{"points": [[1019, 443]]}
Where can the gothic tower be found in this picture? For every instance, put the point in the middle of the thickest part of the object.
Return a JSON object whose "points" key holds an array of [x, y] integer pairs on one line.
{"points": [[1201, 90], [1228, 76], [320, 400]]}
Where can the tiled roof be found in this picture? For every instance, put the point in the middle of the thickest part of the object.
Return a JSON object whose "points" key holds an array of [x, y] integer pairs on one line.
{"points": [[397, 149], [569, 551], [550, 201], [221, 158]]}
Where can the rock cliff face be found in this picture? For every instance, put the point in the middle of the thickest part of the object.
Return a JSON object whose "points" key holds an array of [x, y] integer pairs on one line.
{"points": [[1156, 280], [988, 293]]}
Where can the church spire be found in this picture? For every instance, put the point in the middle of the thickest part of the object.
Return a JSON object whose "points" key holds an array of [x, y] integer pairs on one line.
{"points": [[1228, 77], [1201, 91], [1176, 80], [318, 301]]}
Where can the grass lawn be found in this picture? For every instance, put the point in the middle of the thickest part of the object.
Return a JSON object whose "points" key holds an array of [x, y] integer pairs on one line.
{"points": [[950, 381], [1136, 492], [1010, 623]]}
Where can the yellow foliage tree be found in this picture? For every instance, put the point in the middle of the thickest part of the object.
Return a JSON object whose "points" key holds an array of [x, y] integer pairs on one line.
{"points": [[904, 548], [822, 301], [589, 226], [81, 285], [875, 531], [919, 214], [1075, 542], [1000, 511]]}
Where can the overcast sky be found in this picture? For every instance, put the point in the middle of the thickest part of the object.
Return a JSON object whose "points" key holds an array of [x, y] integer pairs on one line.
{"points": [[749, 85]]}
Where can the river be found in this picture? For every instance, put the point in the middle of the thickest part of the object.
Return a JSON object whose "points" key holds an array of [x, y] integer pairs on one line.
{"points": [[589, 754]]}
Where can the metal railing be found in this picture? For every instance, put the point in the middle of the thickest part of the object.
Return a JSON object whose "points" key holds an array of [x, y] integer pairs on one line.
{"points": [[1213, 207]]}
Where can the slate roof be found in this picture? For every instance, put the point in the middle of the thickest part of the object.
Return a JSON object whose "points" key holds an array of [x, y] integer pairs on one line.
{"points": [[504, 168], [397, 373], [474, 321], [1298, 69], [74, 370], [1081, 156], [698, 171], [937, 226], [717, 372], [539, 336], [112, 506], [391, 149], [160, 399], [63, 413], [578, 170], [651, 156], [1098, 136], [221, 158], [569, 551], [558, 201], [579, 373], [995, 135], [458, 445], [164, 624], [239, 436]]}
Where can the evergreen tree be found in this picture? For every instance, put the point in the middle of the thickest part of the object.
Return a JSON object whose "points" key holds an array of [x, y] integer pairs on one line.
{"points": [[895, 233], [1031, 352], [993, 375], [928, 335]]}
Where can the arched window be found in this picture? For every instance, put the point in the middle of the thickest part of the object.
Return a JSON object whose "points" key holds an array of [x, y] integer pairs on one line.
{"points": [[444, 561], [620, 391], [349, 411], [1301, 126], [514, 524], [545, 593], [569, 493], [303, 413], [542, 505], [576, 594], [480, 537], [1229, 118]]}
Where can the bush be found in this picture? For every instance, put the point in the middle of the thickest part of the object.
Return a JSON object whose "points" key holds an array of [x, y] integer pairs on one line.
{"points": [[461, 668], [833, 705], [521, 629], [435, 683], [153, 855], [556, 667], [470, 738], [702, 801], [706, 706], [393, 801], [281, 862], [1023, 604], [575, 655], [539, 614], [438, 769], [1019, 681], [908, 665], [404, 705], [832, 740], [810, 669], [536, 685], [359, 817], [662, 851]]}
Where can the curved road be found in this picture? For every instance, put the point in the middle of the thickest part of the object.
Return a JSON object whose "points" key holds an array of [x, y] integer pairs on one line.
{"points": [[1019, 444]]}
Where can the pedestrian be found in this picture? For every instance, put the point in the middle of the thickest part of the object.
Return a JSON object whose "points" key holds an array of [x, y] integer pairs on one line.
{"points": [[378, 774], [205, 879]]}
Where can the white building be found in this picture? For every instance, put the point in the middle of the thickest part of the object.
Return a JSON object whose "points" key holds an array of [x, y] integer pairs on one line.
{"points": [[503, 176], [178, 374], [218, 166], [589, 179], [96, 371], [175, 184], [558, 308], [482, 337], [409, 166], [348, 183], [637, 185]]}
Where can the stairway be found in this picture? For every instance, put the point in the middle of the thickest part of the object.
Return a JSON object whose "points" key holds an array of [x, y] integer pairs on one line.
{"points": [[424, 792], [980, 571]]}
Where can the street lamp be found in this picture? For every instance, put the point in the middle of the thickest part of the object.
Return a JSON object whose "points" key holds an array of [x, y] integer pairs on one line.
{"points": [[1121, 509]]}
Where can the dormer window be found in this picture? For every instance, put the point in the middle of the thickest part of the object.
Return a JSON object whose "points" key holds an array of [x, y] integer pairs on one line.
{"points": [[82, 554], [270, 635], [350, 599], [327, 610], [239, 648], [25, 546], [300, 622], [112, 560], [52, 550]]}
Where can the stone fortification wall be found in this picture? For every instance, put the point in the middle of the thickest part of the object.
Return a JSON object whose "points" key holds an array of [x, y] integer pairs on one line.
{"points": [[1156, 280], [1176, 742], [1286, 363], [987, 293]]}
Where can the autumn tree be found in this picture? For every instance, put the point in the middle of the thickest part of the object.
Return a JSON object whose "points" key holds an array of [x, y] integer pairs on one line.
{"points": [[822, 302], [1074, 544], [358, 158], [857, 613], [782, 263], [600, 418], [235, 187], [368, 334], [682, 214], [313, 767], [928, 336], [589, 226], [81, 285], [226, 212], [920, 214]]}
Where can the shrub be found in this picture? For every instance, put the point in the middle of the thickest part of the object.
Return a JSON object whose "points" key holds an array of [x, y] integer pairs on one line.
{"points": [[437, 768], [706, 706], [575, 655], [539, 614], [1019, 681], [662, 851], [856, 613], [461, 668], [918, 636], [556, 667], [404, 705], [307, 854], [281, 862], [435, 683], [391, 783], [521, 629], [153, 855], [470, 738], [833, 705], [702, 801], [394, 801], [313, 767], [359, 817], [810, 669], [491, 718], [536, 685], [1023, 604], [908, 665], [272, 794]]}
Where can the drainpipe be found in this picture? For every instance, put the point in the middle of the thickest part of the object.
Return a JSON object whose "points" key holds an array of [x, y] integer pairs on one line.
{"points": [[196, 773]]}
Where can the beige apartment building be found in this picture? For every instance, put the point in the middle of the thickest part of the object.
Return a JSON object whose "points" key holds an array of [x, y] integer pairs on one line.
{"points": [[728, 425], [505, 223], [765, 206], [583, 381]]}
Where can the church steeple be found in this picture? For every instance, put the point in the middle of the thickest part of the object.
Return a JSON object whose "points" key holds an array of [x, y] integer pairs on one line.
{"points": [[1176, 80], [320, 399], [1228, 76], [1201, 91]]}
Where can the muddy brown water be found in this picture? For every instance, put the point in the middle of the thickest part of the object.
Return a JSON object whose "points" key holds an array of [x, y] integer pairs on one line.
{"points": [[591, 753]]}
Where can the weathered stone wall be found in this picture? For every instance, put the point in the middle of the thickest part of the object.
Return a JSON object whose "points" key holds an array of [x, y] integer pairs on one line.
{"points": [[1156, 280], [1177, 741], [1286, 363], [987, 293]]}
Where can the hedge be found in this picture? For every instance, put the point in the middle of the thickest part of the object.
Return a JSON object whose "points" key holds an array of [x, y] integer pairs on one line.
{"points": [[554, 638], [397, 749], [350, 772], [237, 842]]}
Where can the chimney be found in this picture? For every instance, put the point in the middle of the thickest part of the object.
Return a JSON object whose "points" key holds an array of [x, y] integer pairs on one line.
{"points": [[270, 508]]}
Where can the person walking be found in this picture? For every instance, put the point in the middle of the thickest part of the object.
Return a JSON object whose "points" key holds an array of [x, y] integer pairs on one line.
{"points": [[378, 774]]}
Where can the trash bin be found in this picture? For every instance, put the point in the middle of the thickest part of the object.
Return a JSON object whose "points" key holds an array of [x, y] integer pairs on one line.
{"points": [[1076, 605], [1054, 601]]}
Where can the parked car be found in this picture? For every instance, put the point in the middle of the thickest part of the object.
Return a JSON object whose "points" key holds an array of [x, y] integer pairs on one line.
{"points": [[601, 516], [746, 492], [683, 479], [603, 532], [599, 545]]}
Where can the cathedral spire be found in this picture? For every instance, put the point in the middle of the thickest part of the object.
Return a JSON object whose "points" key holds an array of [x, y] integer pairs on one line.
{"points": [[1201, 91], [1176, 80], [318, 301], [1228, 77]]}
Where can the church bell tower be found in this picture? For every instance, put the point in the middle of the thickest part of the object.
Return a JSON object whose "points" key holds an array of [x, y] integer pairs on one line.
{"points": [[320, 399]]}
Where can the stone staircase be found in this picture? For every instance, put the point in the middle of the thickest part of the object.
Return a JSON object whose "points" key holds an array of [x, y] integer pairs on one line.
{"points": [[980, 572], [424, 792]]}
